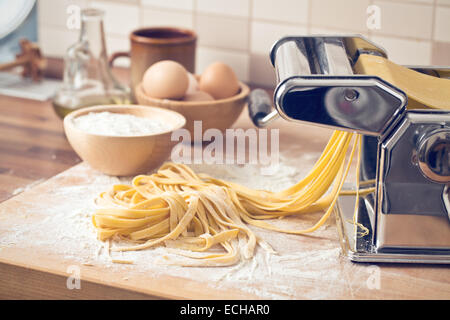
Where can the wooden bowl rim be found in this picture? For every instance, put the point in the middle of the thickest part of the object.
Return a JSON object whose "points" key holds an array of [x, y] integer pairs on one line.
{"points": [[243, 93], [68, 120]]}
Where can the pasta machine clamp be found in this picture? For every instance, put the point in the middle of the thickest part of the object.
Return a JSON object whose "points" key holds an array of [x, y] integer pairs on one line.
{"points": [[404, 198]]}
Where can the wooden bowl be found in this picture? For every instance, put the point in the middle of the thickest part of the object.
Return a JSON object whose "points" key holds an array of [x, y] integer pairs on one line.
{"points": [[124, 155], [219, 114]]}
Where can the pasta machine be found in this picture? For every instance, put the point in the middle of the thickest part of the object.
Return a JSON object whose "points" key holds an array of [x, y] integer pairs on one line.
{"points": [[405, 154]]}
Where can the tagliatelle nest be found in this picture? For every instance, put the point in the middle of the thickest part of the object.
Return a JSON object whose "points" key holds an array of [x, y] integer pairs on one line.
{"points": [[194, 212]]}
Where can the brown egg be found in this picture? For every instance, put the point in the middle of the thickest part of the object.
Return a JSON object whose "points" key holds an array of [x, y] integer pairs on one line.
{"points": [[219, 80], [193, 84], [198, 96], [165, 80]]}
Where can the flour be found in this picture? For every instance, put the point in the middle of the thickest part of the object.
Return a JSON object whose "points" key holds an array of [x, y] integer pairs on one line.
{"points": [[26, 188], [65, 228], [117, 124]]}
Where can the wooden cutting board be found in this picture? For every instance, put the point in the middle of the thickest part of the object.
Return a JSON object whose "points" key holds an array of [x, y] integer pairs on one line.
{"points": [[47, 244]]}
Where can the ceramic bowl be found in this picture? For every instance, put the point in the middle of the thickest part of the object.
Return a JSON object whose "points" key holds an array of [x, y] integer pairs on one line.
{"points": [[124, 155], [218, 114]]}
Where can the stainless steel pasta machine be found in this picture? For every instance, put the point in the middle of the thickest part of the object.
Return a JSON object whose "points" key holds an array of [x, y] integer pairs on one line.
{"points": [[405, 153]]}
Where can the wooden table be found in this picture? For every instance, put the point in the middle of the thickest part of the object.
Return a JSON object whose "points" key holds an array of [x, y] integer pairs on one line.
{"points": [[33, 148]]}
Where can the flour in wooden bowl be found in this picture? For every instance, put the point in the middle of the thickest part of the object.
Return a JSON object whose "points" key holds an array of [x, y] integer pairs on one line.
{"points": [[118, 124]]}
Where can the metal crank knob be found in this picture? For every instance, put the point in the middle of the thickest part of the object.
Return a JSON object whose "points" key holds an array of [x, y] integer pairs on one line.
{"points": [[433, 156]]}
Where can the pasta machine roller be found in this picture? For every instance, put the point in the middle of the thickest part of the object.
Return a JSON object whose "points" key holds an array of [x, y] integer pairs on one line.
{"points": [[405, 153]]}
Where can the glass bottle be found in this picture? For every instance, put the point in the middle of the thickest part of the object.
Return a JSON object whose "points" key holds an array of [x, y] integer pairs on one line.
{"points": [[88, 79]]}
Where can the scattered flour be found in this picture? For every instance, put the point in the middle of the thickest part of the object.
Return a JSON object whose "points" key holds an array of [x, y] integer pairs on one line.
{"points": [[117, 124], [299, 260], [26, 188]]}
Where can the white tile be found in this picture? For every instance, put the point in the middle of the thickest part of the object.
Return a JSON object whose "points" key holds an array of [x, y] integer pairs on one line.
{"points": [[238, 61], [348, 15], [264, 35], [441, 54], [238, 8], [55, 41], [332, 31], [295, 11], [405, 51], [57, 13], [118, 44], [407, 20], [223, 32], [155, 17], [170, 4], [120, 18], [442, 24], [261, 70], [447, 2]]}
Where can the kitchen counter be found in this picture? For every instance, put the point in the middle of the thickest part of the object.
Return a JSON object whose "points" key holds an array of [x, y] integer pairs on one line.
{"points": [[33, 148]]}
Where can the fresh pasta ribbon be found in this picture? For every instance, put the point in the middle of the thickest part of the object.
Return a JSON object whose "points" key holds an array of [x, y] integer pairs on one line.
{"points": [[191, 213]]}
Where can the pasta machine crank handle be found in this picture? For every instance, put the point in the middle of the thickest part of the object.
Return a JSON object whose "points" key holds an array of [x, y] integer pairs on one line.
{"points": [[260, 108]]}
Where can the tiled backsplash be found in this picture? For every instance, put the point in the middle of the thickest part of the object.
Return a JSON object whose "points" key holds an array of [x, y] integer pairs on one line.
{"points": [[241, 32]]}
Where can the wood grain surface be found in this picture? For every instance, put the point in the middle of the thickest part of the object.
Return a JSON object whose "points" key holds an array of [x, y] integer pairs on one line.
{"points": [[33, 146]]}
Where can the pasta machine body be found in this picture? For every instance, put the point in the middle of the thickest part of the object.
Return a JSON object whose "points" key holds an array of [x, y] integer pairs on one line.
{"points": [[405, 154]]}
